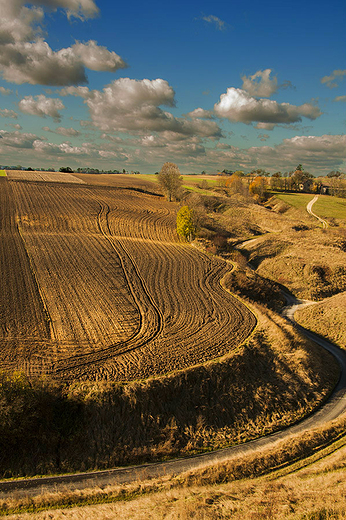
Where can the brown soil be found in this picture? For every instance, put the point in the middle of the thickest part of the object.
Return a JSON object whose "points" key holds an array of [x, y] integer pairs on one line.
{"points": [[24, 328], [120, 297], [119, 180]]}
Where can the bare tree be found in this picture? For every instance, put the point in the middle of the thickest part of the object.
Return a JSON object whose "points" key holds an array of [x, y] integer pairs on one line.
{"points": [[170, 180]]}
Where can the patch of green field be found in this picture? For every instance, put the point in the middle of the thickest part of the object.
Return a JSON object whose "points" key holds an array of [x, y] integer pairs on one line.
{"points": [[196, 189], [330, 207], [326, 205], [190, 182], [197, 179], [3, 173], [297, 200], [148, 177]]}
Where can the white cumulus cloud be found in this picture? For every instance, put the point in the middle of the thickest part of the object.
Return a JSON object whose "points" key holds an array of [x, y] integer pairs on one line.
{"points": [[5, 112], [128, 105], [41, 106], [238, 106], [260, 84], [96, 57], [201, 114], [17, 139], [25, 56]]}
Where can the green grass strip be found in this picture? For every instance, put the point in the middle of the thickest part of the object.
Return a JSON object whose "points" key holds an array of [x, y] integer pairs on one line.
{"points": [[3, 173], [330, 207]]}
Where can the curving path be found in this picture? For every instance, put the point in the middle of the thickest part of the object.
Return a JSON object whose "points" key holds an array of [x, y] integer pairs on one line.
{"points": [[309, 210], [333, 408]]}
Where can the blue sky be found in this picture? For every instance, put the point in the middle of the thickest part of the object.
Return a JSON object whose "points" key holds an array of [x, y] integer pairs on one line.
{"points": [[207, 85]]}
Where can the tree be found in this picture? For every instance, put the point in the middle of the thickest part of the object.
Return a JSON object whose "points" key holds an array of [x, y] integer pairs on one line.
{"points": [[333, 174], [257, 188], [301, 179], [66, 169], [170, 180], [185, 223], [276, 181], [236, 185]]}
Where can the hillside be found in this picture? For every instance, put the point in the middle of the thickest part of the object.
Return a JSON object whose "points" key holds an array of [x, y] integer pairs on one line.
{"points": [[327, 318], [121, 300]]}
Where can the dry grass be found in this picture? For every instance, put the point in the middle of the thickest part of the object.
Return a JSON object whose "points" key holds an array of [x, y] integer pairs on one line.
{"points": [[327, 318], [246, 283], [314, 489], [273, 380], [291, 249], [311, 263]]}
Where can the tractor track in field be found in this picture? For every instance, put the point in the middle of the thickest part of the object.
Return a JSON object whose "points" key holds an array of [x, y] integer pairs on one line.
{"points": [[140, 337], [105, 230], [125, 298]]}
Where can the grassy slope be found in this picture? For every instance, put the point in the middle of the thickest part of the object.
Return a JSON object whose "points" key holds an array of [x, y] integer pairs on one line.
{"points": [[312, 488], [311, 263], [327, 318], [275, 379], [297, 200], [330, 207], [326, 206], [291, 248]]}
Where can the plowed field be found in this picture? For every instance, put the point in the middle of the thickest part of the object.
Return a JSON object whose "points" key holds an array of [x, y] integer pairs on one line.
{"points": [[98, 286]]}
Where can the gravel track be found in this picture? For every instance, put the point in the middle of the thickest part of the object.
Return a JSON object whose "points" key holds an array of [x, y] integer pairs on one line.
{"points": [[309, 210]]}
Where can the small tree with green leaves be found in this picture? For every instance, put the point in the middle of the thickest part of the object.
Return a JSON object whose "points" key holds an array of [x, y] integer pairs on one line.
{"points": [[170, 180], [185, 223]]}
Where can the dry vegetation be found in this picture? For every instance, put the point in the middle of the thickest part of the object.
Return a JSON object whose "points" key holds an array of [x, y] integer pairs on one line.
{"points": [[274, 379], [327, 318], [245, 486], [311, 263], [291, 249], [249, 285]]}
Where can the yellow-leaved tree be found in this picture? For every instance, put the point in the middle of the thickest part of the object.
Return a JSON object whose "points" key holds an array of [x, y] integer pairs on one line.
{"points": [[185, 223]]}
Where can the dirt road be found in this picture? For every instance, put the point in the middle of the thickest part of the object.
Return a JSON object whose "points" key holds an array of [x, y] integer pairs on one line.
{"points": [[309, 210]]}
